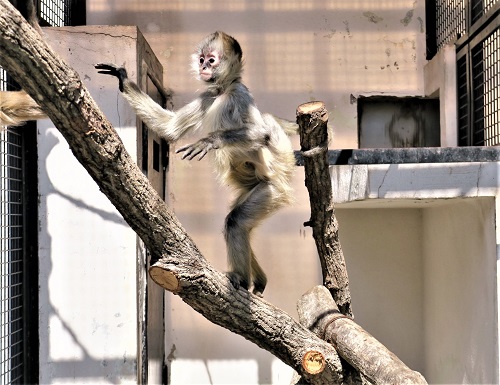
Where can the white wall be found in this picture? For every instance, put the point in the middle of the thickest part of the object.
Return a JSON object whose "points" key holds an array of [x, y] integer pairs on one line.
{"points": [[459, 253], [423, 282], [88, 254], [295, 51], [383, 252], [201, 352]]}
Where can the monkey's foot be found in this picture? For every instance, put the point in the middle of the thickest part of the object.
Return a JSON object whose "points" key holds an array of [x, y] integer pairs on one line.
{"points": [[259, 286], [258, 291], [237, 280]]}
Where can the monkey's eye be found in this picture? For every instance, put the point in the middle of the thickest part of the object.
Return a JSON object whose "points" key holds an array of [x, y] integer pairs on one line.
{"points": [[211, 60], [202, 59]]}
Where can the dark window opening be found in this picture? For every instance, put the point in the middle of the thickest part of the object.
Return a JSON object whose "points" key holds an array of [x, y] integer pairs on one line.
{"points": [[156, 155], [392, 122]]}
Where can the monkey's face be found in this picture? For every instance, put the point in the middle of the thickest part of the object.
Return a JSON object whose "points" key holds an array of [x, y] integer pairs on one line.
{"points": [[208, 63]]}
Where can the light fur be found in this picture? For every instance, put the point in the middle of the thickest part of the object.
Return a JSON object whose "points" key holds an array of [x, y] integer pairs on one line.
{"points": [[17, 107]]}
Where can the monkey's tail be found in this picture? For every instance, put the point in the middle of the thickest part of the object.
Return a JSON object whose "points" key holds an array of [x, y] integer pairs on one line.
{"points": [[290, 128], [17, 107]]}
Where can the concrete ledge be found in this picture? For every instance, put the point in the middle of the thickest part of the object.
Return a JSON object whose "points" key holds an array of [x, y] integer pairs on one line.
{"points": [[410, 155], [414, 181]]}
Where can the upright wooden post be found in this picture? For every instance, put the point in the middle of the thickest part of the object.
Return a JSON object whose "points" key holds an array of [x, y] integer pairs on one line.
{"points": [[312, 119]]}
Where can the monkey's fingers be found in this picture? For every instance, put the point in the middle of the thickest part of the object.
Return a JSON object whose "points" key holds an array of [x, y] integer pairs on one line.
{"points": [[182, 149], [190, 155], [113, 70], [192, 150], [203, 153], [109, 67]]}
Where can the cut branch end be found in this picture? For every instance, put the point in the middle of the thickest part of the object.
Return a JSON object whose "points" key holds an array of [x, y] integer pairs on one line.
{"points": [[310, 107], [165, 278], [313, 362]]}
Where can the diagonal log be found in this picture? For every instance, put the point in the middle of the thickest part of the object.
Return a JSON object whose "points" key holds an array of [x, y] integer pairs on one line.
{"points": [[179, 267], [318, 311]]}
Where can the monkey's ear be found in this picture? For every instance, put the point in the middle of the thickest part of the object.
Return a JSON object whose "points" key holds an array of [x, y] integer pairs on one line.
{"points": [[237, 49]]}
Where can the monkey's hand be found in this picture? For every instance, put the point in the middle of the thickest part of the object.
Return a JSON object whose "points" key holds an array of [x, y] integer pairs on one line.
{"points": [[201, 148], [113, 70]]}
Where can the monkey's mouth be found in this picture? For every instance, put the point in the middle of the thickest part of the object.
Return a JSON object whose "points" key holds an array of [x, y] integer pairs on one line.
{"points": [[206, 75]]}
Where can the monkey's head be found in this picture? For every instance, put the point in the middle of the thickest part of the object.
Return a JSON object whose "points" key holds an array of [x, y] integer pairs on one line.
{"points": [[218, 58]]}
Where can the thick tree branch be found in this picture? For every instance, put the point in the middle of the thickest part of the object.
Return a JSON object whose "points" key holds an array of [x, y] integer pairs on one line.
{"points": [[312, 119], [180, 266]]}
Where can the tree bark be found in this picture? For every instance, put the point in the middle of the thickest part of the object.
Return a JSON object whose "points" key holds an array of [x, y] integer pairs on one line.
{"points": [[312, 119], [180, 266], [318, 311]]}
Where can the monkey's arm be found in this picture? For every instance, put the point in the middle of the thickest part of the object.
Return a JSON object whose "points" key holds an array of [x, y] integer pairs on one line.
{"points": [[249, 138], [17, 107], [165, 123]]}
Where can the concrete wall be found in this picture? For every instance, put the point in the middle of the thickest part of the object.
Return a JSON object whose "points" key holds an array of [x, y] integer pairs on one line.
{"points": [[383, 251], [461, 333], [89, 297], [423, 281], [295, 51], [434, 228]]}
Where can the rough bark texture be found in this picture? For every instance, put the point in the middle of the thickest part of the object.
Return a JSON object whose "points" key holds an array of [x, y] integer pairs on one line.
{"points": [[312, 119], [96, 145], [318, 311]]}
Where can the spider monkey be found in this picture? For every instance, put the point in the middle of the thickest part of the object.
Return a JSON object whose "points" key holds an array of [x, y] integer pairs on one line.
{"points": [[251, 151]]}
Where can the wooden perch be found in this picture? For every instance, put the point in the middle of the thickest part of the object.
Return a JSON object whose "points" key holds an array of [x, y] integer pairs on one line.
{"points": [[318, 311], [312, 119], [179, 266]]}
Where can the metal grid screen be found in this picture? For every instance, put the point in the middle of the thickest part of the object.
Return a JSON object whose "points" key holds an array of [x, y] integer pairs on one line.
{"points": [[485, 91], [451, 21], [463, 100], [56, 12], [11, 255], [478, 84], [479, 8], [454, 18], [473, 26]]}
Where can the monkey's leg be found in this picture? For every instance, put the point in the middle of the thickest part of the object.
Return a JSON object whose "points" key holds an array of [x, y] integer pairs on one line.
{"points": [[259, 277], [248, 211]]}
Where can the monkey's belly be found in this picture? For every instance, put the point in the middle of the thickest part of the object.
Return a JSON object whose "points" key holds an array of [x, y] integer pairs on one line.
{"points": [[244, 175]]}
